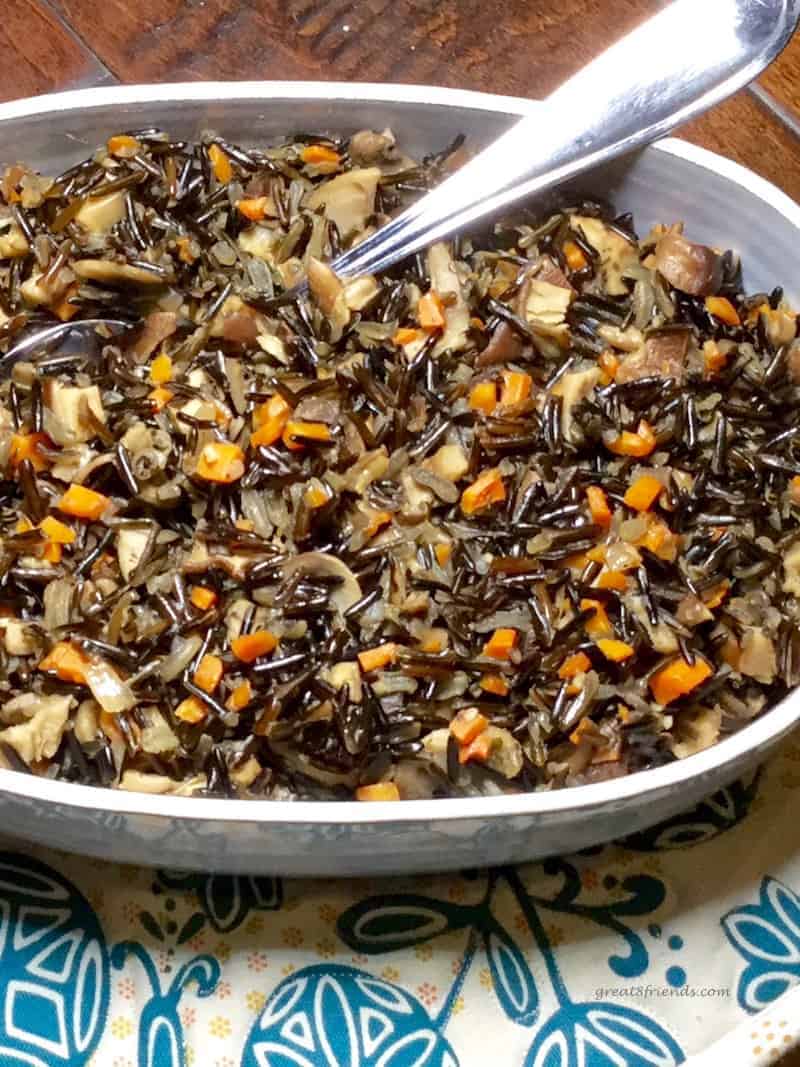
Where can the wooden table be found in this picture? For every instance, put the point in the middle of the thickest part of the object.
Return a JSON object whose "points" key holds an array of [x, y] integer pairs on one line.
{"points": [[521, 47]]}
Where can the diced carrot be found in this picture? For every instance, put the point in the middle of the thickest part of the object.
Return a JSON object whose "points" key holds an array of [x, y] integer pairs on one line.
{"points": [[57, 532], [487, 489], [794, 489], [185, 253], [643, 493], [381, 791], [516, 388], [209, 673], [639, 444], [296, 432], [712, 598], [269, 421], [585, 726], [577, 561], [722, 309], [406, 335], [495, 684], [443, 551], [248, 647], [377, 521], [161, 370], [478, 750], [28, 446], [467, 724], [483, 397], [221, 461], [123, 145], [714, 359], [501, 643], [659, 539], [609, 365], [623, 713], [612, 580], [52, 552], [221, 165], [678, 678], [63, 308], [83, 503], [372, 659], [67, 661], [253, 208], [477, 323], [315, 497], [599, 624], [202, 597], [263, 725], [578, 663], [430, 311], [574, 256], [597, 554], [159, 397], [245, 525], [617, 651], [191, 710], [320, 153], [240, 697], [598, 505]]}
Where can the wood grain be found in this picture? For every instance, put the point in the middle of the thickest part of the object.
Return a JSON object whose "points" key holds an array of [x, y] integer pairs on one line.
{"points": [[40, 54], [783, 77]]}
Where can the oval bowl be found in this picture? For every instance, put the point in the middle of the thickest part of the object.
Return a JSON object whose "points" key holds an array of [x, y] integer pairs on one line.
{"points": [[722, 204]]}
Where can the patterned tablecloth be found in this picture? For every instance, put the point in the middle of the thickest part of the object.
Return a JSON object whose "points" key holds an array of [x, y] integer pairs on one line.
{"points": [[640, 954]]}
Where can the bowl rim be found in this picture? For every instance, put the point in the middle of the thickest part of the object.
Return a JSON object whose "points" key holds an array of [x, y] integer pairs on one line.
{"points": [[761, 733]]}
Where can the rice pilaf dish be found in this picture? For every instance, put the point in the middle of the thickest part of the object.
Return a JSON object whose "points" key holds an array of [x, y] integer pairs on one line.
{"points": [[520, 513]]}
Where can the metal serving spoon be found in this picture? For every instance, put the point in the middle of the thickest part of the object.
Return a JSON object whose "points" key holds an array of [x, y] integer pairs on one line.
{"points": [[684, 60], [679, 63]]}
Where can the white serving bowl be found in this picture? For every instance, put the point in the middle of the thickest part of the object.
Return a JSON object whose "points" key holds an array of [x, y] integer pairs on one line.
{"points": [[722, 204]]}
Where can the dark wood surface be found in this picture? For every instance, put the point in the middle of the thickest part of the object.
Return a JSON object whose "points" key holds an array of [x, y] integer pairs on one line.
{"points": [[520, 47]]}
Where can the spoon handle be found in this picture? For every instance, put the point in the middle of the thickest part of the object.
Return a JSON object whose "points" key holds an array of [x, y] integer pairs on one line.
{"points": [[674, 66]]}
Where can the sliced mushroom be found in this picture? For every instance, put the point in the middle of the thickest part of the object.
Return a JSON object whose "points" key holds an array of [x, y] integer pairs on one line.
{"points": [[695, 730], [19, 638], [259, 241], [160, 785], [574, 388], [663, 355], [791, 570], [158, 326], [157, 735], [348, 200], [65, 408], [692, 268], [546, 306], [108, 272], [445, 280], [323, 565], [99, 213], [40, 736], [347, 674], [13, 243], [504, 346], [616, 254], [758, 657], [134, 541], [367, 146], [449, 462]]}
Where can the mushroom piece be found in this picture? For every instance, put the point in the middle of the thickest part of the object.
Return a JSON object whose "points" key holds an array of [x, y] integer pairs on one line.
{"points": [[323, 565], [574, 388], [695, 730], [615, 253], [546, 305], [504, 346], [692, 268], [99, 213], [13, 242], [160, 784], [65, 412], [445, 281], [758, 658], [348, 200], [133, 543], [663, 355], [107, 272], [346, 673], [40, 736], [367, 146], [158, 326]]}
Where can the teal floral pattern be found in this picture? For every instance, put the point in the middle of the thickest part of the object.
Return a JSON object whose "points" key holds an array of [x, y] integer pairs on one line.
{"points": [[574, 962], [767, 936]]}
